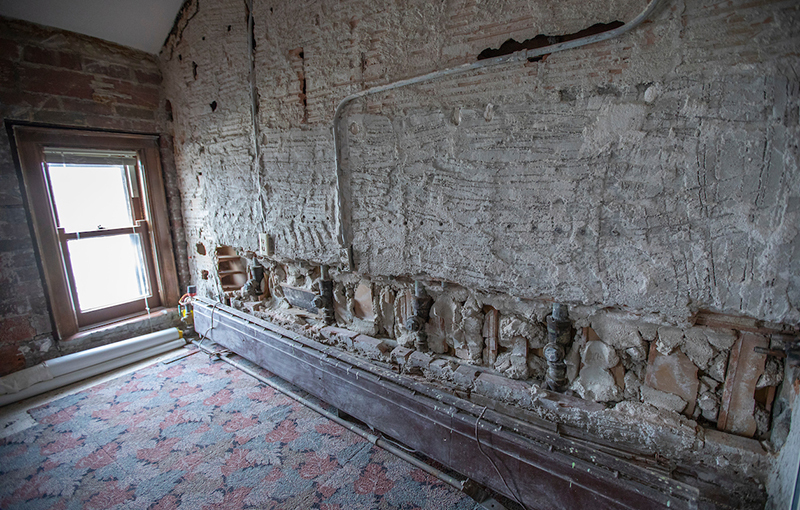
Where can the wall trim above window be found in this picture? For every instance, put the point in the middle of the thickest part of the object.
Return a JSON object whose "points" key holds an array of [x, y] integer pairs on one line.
{"points": [[39, 147]]}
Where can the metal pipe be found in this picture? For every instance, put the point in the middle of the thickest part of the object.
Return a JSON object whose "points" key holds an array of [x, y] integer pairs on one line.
{"points": [[415, 324], [57, 367], [324, 301], [372, 438], [91, 371], [72, 362], [305, 352], [559, 328], [343, 233]]}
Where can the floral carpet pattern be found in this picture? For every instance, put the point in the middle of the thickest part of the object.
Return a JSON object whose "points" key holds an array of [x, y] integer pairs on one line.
{"points": [[199, 434]]}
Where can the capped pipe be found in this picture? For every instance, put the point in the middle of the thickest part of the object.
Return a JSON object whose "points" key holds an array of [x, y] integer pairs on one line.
{"points": [[559, 329]]}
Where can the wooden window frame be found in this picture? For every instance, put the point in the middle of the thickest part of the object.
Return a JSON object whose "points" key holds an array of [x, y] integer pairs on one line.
{"points": [[154, 229]]}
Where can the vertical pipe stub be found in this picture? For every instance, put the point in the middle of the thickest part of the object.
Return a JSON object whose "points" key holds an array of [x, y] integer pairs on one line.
{"points": [[324, 301], [421, 309], [559, 335]]}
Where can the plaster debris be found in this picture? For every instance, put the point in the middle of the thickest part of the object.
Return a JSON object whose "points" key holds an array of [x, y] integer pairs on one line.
{"points": [[442, 369], [595, 381], [400, 355], [513, 326], [340, 308], [773, 374], [418, 362], [697, 347], [537, 367], [386, 311], [362, 302], [674, 373], [518, 358], [464, 376], [708, 403], [402, 311], [669, 339], [471, 328], [721, 339], [718, 366], [632, 385], [662, 399], [445, 314], [616, 333], [648, 331], [503, 389]]}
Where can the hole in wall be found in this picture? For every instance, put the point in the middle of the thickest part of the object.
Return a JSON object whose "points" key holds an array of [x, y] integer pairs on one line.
{"points": [[194, 70], [542, 40], [231, 268], [204, 38], [168, 109], [567, 95], [297, 59], [213, 106], [201, 248], [204, 274]]}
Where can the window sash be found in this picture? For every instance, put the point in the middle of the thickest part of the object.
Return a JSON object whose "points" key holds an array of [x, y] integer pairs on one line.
{"points": [[32, 143]]}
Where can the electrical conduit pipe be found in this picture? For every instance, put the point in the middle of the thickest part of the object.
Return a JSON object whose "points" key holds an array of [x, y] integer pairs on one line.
{"points": [[75, 367]]}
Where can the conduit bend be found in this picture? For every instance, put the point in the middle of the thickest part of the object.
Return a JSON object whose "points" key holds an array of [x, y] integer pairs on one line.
{"points": [[344, 233]]}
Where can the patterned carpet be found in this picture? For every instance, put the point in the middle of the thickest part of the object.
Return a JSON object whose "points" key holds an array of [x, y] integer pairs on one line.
{"points": [[198, 434]]}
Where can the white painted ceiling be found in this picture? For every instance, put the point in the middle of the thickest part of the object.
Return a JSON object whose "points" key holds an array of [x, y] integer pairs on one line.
{"points": [[140, 24]]}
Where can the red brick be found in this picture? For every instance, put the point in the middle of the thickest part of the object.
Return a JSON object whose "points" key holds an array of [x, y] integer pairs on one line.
{"points": [[59, 117], [9, 49], [86, 107], [7, 73], [11, 360], [122, 124], [131, 112], [55, 58], [15, 329], [147, 77], [105, 69], [145, 96], [39, 101], [58, 82]]}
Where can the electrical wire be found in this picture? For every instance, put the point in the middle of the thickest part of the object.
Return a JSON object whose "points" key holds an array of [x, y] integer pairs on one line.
{"points": [[478, 440]]}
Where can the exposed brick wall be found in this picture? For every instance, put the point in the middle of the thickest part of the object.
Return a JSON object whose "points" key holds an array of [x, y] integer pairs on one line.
{"points": [[60, 78]]}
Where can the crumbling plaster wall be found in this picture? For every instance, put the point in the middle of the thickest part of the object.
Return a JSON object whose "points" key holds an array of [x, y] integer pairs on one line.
{"points": [[655, 172]]}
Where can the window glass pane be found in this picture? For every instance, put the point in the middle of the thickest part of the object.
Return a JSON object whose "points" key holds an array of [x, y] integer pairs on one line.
{"points": [[108, 270], [90, 197]]}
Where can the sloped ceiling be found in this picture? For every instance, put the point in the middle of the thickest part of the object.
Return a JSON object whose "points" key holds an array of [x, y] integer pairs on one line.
{"points": [[140, 24]]}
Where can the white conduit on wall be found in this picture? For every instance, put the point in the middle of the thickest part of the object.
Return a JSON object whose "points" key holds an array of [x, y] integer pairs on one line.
{"points": [[72, 368]]}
